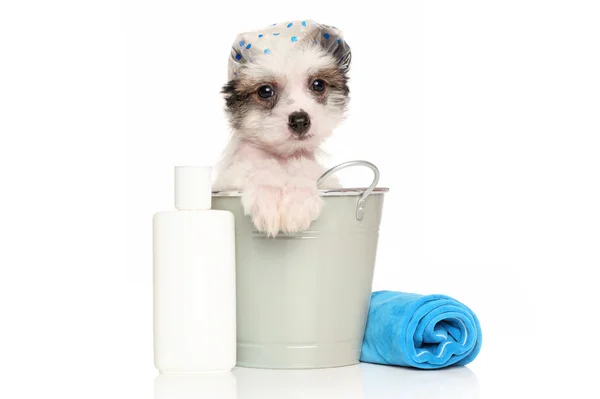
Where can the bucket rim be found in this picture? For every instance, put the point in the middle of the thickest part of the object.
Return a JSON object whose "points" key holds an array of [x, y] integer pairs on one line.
{"points": [[338, 192]]}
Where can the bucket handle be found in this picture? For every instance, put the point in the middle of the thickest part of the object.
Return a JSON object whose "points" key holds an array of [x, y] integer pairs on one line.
{"points": [[360, 206]]}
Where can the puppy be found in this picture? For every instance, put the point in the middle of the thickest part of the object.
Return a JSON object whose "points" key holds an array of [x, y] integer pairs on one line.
{"points": [[287, 91]]}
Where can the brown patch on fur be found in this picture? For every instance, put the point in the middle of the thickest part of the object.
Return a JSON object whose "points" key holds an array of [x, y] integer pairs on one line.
{"points": [[248, 84], [241, 96], [335, 80], [331, 75]]}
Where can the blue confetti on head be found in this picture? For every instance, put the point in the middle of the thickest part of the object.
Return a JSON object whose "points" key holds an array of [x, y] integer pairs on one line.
{"points": [[326, 35], [260, 35], [241, 43], [249, 45], [303, 23], [294, 39], [238, 57], [290, 25], [339, 41], [267, 51], [275, 34]]}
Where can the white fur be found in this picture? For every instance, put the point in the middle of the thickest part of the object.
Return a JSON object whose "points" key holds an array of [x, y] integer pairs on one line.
{"points": [[276, 171]]}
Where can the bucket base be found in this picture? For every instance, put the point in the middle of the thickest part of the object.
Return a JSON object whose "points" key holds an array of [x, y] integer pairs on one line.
{"points": [[309, 356]]}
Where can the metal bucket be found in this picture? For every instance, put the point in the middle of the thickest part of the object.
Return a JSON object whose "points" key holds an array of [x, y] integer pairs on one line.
{"points": [[303, 299]]}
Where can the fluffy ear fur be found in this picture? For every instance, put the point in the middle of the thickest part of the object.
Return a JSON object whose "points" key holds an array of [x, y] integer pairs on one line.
{"points": [[331, 41], [229, 93], [234, 103], [344, 57]]}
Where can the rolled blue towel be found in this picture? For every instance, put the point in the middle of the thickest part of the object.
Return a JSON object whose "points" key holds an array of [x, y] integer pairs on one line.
{"points": [[423, 331]]}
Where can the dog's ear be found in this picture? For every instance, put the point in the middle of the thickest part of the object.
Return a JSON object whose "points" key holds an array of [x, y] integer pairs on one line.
{"points": [[331, 40], [236, 61], [229, 93], [344, 56]]}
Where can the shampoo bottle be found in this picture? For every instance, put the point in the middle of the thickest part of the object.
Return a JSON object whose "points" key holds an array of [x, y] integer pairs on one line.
{"points": [[194, 280]]}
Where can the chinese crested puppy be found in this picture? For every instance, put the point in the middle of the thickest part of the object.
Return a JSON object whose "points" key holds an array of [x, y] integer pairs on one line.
{"points": [[287, 91]]}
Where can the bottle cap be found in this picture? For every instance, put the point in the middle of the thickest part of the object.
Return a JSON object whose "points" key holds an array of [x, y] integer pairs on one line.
{"points": [[193, 187]]}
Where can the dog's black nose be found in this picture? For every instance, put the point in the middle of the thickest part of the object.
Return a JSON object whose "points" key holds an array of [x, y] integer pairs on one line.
{"points": [[299, 122]]}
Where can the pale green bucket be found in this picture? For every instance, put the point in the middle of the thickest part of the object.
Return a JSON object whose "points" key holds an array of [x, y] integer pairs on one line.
{"points": [[303, 299]]}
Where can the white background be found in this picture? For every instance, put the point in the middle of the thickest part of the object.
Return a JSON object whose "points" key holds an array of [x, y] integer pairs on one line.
{"points": [[483, 118]]}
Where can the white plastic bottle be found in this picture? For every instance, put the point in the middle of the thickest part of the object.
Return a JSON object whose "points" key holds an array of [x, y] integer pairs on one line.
{"points": [[194, 280]]}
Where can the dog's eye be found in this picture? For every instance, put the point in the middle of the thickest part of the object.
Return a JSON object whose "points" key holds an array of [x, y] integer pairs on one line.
{"points": [[318, 85], [265, 91]]}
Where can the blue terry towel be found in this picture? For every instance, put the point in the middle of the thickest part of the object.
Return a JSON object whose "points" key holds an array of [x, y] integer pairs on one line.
{"points": [[427, 332]]}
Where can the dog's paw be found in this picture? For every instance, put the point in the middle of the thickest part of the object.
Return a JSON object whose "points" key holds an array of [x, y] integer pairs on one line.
{"points": [[298, 208], [262, 204]]}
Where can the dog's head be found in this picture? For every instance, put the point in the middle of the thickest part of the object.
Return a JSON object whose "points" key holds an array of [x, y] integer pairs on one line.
{"points": [[288, 86]]}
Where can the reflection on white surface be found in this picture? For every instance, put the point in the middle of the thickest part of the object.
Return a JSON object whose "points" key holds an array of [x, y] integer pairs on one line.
{"points": [[364, 381], [196, 386], [333, 383], [382, 382]]}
